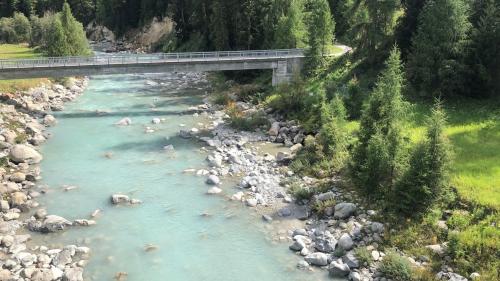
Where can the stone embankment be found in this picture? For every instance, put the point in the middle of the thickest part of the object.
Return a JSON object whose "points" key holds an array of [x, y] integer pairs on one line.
{"points": [[24, 118]]}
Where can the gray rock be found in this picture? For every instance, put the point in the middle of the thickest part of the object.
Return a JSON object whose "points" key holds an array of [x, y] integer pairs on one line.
{"points": [[251, 202], [267, 218], [345, 242], [285, 212], [213, 180], [302, 265], [319, 259], [338, 269], [53, 223], [437, 249], [119, 199], [354, 276], [344, 210], [62, 258], [73, 274], [450, 276], [377, 227], [299, 231], [351, 260], [18, 199], [20, 153], [49, 120], [40, 214], [325, 196], [274, 130], [214, 190], [124, 122], [297, 245], [325, 245]]}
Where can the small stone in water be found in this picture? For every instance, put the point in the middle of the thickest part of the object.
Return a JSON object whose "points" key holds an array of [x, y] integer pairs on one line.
{"points": [[150, 247]]}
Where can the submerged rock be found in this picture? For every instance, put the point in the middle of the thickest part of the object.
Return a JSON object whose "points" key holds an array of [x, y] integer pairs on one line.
{"points": [[124, 122], [213, 180]]}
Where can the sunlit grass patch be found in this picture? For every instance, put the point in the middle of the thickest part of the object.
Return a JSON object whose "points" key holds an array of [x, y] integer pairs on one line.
{"points": [[18, 51]]}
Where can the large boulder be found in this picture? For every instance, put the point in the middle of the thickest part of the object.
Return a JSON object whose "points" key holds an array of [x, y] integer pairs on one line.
{"points": [[345, 242], [274, 130], [18, 199], [42, 274], [53, 223], [325, 244], [73, 274], [351, 260], [344, 210], [213, 180], [119, 199], [339, 269], [20, 153], [319, 259]]}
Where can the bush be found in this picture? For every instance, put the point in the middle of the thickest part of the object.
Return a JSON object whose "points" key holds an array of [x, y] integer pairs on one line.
{"points": [[396, 267], [250, 122], [459, 220], [319, 207], [15, 30], [363, 255], [299, 192], [477, 246]]}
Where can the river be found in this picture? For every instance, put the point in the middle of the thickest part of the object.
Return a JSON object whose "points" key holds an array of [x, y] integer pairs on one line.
{"points": [[230, 243]]}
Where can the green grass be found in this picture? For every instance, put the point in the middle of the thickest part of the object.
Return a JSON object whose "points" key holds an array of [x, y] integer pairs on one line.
{"points": [[474, 131], [18, 51]]}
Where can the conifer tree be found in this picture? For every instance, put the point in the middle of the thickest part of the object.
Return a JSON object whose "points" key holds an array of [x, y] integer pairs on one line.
{"points": [[321, 28], [379, 156], [333, 134], [291, 30], [218, 28], [426, 177], [436, 63]]}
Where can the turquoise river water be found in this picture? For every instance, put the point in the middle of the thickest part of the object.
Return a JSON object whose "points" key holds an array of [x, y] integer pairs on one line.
{"points": [[230, 245]]}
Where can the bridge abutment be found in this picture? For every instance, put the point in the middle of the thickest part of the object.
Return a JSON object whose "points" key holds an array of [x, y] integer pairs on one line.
{"points": [[285, 70]]}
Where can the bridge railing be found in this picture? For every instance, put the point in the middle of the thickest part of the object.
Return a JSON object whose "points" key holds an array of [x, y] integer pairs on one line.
{"points": [[149, 58]]}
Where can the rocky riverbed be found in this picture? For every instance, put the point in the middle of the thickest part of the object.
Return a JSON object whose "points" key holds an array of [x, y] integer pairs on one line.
{"points": [[24, 118], [327, 242]]}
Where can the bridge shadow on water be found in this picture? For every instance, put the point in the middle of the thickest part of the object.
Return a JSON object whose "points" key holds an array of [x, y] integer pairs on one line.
{"points": [[155, 145], [94, 114]]}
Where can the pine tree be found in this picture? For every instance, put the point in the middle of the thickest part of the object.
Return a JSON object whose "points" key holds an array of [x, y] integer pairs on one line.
{"points": [[291, 30], [407, 24], [76, 40], [321, 28], [426, 177], [484, 56], [218, 28], [436, 63], [333, 134], [379, 156]]}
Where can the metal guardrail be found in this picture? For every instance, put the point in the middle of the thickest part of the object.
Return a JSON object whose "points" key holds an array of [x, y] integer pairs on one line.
{"points": [[149, 58]]}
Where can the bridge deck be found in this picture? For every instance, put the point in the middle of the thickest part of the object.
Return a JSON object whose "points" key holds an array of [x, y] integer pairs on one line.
{"points": [[145, 59]]}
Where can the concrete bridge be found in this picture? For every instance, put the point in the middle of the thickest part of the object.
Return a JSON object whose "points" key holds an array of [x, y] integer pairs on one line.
{"points": [[284, 64]]}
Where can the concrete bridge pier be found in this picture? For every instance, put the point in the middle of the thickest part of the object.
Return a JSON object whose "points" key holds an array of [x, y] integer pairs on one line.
{"points": [[285, 70]]}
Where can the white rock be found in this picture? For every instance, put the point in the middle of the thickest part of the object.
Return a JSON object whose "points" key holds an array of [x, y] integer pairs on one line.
{"points": [[24, 154], [124, 122], [319, 259], [214, 190]]}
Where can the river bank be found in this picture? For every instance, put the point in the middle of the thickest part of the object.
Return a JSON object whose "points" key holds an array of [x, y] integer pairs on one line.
{"points": [[24, 120]]}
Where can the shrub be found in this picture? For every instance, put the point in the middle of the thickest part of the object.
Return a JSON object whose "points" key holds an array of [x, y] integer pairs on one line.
{"points": [[15, 30], [222, 99], [477, 246], [459, 220], [250, 122], [396, 267], [319, 207], [363, 255], [299, 192]]}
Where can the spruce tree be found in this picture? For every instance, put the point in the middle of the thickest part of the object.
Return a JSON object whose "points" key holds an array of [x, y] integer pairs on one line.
{"points": [[291, 30], [320, 27], [218, 28], [436, 63], [484, 55], [379, 156], [426, 177], [333, 134]]}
